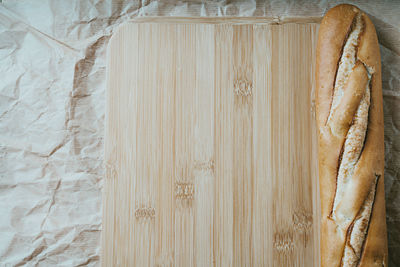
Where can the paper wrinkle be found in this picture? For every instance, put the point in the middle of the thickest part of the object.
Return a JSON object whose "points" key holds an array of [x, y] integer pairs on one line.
{"points": [[52, 104]]}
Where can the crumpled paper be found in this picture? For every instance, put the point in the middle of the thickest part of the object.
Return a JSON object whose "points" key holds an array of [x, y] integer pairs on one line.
{"points": [[52, 104]]}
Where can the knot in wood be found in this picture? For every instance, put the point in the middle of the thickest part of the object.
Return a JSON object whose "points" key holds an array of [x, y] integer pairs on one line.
{"points": [[146, 212], [243, 87], [283, 242], [184, 190], [302, 220]]}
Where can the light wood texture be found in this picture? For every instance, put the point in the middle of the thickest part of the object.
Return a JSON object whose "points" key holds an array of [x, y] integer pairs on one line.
{"points": [[211, 145]]}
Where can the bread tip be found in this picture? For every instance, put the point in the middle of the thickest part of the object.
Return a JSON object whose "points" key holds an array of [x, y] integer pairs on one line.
{"points": [[346, 6]]}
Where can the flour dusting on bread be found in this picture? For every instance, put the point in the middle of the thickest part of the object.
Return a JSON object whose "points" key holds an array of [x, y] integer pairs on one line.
{"points": [[353, 249], [352, 150], [347, 62]]}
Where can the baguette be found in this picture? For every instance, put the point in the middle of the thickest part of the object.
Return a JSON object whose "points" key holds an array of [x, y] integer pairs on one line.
{"points": [[350, 140]]}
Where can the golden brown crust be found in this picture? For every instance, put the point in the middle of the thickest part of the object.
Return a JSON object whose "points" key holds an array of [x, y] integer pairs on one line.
{"points": [[334, 29]]}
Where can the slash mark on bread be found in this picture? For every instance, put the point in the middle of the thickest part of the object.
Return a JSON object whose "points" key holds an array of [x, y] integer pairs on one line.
{"points": [[357, 231], [340, 58], [336, 184]]}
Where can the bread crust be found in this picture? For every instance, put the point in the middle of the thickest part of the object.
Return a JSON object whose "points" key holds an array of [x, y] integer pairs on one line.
{"points": [[333, 127]]}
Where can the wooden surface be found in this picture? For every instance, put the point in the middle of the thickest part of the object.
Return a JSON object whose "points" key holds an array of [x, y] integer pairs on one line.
{"points": [[211, 145]]}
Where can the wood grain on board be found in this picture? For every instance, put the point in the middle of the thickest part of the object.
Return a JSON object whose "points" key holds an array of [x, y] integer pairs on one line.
{"points": [[211, 145]]}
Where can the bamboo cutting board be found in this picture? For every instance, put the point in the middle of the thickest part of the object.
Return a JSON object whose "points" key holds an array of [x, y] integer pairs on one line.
{"points": [[211, 144]]}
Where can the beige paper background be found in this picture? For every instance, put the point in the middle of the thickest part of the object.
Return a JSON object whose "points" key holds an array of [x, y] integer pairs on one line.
{"points": [[52, 103]]}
